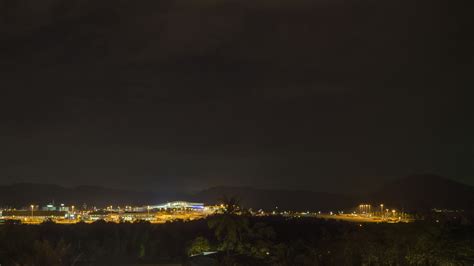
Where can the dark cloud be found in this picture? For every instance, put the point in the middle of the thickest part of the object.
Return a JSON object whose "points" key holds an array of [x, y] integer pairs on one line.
{"points": [[309, 94]]}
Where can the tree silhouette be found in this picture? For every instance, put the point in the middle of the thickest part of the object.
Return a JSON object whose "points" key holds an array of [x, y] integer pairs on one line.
{"points": [[198, 246], [228, 225]]}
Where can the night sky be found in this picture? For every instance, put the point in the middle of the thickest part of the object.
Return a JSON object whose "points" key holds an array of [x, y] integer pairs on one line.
{"points": [[325, 95]]}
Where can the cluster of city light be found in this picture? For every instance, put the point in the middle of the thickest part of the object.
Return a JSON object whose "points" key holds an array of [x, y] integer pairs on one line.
{"points": [[365, 208], [180, 210], [170, 211]]}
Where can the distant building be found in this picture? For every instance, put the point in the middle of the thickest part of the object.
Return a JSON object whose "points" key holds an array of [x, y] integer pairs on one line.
{"points": [[99, 215], [49, 207], [63, 208], [183, 205]]}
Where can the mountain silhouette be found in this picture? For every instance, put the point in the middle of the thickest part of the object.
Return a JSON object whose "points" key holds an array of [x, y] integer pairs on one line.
{"points": [[24, 194], [299, 200], [412, 193], [422, 192]]}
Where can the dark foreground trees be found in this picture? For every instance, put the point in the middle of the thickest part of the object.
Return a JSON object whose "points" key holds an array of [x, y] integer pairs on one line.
{"points": [[237, 238], [244, 240], [255, 241]]}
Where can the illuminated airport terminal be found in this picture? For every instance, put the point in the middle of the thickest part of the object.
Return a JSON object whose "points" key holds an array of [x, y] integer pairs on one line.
{"points": [[181, 205]]}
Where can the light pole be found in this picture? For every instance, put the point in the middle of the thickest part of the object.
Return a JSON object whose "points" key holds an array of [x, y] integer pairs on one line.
{"points": [[32, 207], [381, 210]]}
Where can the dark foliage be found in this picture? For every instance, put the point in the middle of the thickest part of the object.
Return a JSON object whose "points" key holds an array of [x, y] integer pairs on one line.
{"points": [[261, 241]]}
